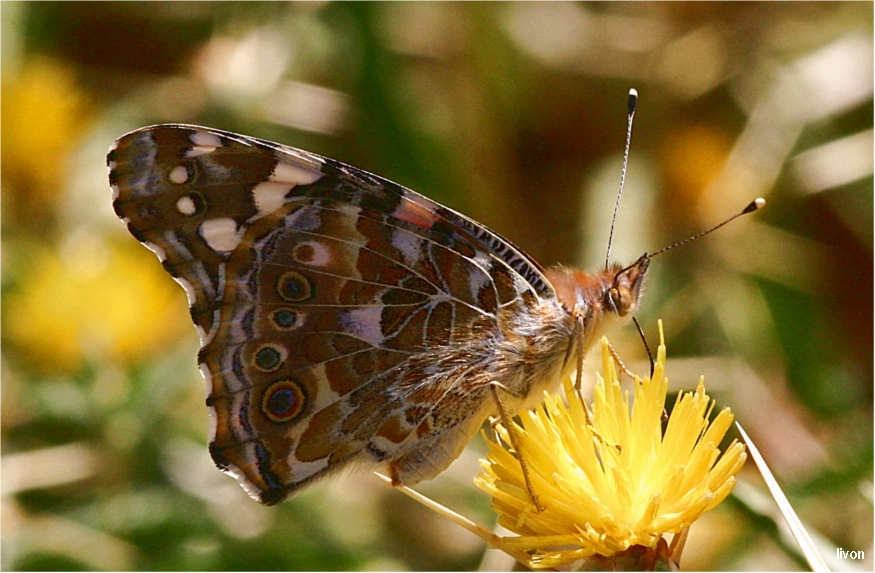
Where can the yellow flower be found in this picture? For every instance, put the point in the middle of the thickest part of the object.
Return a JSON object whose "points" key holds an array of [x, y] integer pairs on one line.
{"points": [[44, 113], [93, 302], [615, 483]]}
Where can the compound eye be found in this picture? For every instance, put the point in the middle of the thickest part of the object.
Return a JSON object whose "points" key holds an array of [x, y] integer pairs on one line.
{"points": [[620, 300]]}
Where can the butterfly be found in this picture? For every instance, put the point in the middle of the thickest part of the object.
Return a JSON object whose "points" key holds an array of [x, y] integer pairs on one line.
{"points": [[345, 320]]}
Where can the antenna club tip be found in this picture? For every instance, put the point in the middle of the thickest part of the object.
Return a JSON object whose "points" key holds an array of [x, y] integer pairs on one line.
{"points": [[633, 100], [754, 205]]}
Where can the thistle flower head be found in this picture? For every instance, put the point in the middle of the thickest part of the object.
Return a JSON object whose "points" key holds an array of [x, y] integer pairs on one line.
{"points": [[612, 480]]}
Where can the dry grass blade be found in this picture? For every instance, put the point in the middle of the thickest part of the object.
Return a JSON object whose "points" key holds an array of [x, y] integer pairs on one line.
{"points": [[812, 555]]}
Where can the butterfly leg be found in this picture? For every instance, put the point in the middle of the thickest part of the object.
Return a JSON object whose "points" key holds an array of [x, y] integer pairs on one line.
{"points": [[619, 361], [515, 444], [578, 377], [581, 349]]}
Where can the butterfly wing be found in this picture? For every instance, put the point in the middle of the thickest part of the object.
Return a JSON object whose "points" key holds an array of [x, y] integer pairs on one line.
{"points": [[330, 302]]}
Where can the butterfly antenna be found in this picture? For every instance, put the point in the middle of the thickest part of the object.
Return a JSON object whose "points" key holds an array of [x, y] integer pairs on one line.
{"points": [[754, 205], [633, 102]]}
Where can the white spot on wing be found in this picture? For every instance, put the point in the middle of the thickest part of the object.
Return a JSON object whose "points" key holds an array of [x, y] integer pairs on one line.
{"points": [[178, 175], [221, 234], [206, 139], [364, 323], [204, 142], [270, 196], [476, 281], [520, 285], [197, 151], [185, 205], [483, 260], [294, 174], [409, 245]]}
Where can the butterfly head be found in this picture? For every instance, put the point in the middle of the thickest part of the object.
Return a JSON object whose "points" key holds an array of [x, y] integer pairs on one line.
{"points": [[600, 300], [627, 283]]}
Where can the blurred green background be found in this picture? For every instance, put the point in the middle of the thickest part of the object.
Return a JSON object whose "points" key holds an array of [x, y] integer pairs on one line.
{"points": [[513, 113]]}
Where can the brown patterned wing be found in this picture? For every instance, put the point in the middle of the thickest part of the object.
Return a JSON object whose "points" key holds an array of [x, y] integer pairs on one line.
{"points": [[337, 311]]}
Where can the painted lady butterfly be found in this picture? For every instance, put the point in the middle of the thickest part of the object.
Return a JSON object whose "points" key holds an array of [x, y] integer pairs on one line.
{"points": [[342, 317]]}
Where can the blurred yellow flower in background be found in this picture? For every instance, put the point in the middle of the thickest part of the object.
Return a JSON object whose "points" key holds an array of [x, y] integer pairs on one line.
{"points": [[44, 113], [692, 159], [92, 301], [617, 482]]}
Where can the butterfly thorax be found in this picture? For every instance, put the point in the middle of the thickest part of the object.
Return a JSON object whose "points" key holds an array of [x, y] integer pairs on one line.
{"points": [[533, 352]]}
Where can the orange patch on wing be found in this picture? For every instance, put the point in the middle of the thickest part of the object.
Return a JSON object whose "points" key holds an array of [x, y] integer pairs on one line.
{"points": [[415, 214], [341, 375], [393, 430], [319, 439], [424, 428]]}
